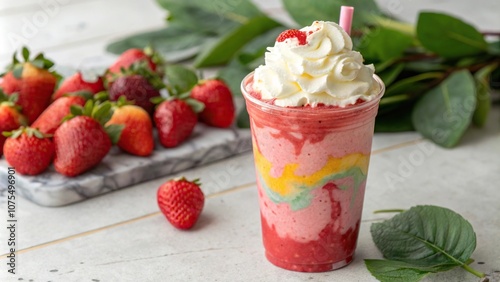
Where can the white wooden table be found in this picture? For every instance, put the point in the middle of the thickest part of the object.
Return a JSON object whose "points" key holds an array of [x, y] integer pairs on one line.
{"points": [[121, 236]]}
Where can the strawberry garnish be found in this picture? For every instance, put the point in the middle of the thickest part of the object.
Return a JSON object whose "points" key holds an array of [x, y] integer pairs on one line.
{"points": [[181, 201], [28, 150], [293, 33]]}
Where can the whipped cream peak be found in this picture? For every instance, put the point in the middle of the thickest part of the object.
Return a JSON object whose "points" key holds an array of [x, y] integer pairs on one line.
{"points": [[322, 70]]}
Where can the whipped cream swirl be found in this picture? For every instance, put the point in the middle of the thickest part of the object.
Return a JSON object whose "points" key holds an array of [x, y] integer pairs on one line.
{"points": [[325, 70]]}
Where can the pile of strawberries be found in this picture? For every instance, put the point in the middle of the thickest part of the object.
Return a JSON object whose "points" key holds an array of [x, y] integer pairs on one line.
{"points": [[74, 124]]}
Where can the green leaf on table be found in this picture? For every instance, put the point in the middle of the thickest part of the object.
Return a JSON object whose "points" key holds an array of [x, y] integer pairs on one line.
{"points": [[239, 10], [197, 20], [174, 42], [180, 79], [243, 119], [222, 50], [390, 74], [445, 112], [412, 84], [247, 59], [398, 119], [258, 46], [306, 12], [426, 65], [426, 236], [383, 44], [494, 47], [395, 271], [233, 74], [448, 36], [483, 95]]}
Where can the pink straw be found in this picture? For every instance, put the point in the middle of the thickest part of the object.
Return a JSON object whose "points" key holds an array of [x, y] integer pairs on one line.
{"points": [[345, 20]]}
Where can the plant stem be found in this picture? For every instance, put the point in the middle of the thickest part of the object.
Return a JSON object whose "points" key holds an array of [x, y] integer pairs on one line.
{"points": [[387, 211], [473, 271]]}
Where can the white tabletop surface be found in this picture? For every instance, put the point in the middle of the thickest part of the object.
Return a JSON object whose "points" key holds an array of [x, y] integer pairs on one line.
{"points": [[121, 236]]}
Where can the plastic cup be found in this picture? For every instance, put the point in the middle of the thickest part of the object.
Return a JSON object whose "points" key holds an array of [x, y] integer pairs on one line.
{"points": [[311, 166]]}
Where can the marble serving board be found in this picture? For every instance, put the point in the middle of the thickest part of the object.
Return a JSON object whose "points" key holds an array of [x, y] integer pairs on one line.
{"points": [[119, 170]]}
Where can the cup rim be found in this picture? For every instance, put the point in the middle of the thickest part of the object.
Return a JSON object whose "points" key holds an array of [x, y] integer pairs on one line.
{"points": [[350, 108]]}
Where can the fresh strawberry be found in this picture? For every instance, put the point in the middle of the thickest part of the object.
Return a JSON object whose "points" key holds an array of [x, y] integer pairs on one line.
{"points": [[10, 117], [153, 60], [219, 106], [76, 83], [53, 116], [28, 150], [82, 141], [293, 33], [139, 84], [137, 135], [175, 121], [33, 80], [181, 201]]}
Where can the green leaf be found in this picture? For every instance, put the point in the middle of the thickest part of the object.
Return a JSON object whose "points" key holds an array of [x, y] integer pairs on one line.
{"points": [[38, 63], [389, 75], [233, 74], [434, 65], [397, 120], [426, 236], [26, 54], [257, 47], [382, 44], [306, 12], [88, 108], [174, 42], [114, 132], [483, 95], [196, 105], [102, 112], [445, 112], [395, 271], [222, 50], [494, 47], [448, 36], [76, 110], [195, 19], [181, 79], [412, 84], [240, 10], [17, 72], [243, 119]]}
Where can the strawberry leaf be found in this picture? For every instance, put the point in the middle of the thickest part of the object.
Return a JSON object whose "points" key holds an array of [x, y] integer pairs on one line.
{"points": [[157, 100], [38, 63], [26, 54], [180, 79], [75, 110], [88, 108], [114, 132], [196, 105], [17, 72], [102, 113]]}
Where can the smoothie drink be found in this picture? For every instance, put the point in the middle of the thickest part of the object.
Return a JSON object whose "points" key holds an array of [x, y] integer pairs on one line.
{"points": [[312, 108]]}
